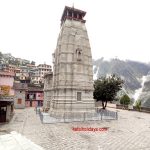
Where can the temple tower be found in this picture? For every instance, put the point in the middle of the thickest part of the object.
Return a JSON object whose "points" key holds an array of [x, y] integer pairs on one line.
{"points": [[72, 86]]}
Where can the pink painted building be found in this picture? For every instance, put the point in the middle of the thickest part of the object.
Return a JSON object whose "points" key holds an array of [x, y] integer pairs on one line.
{"points": [[7, 79], [39, 96], [6, 95], [34, 96]]}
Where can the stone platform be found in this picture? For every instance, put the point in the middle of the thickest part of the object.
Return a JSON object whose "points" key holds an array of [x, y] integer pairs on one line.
{"points": [[58, 117]]}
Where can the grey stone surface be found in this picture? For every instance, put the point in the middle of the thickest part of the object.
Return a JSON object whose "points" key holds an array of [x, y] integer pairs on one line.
{"points": [[15, 141], [72, 83], [130, 132]]}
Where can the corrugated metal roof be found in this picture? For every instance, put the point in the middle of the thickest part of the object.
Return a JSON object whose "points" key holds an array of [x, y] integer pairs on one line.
{"points": [[5, 73], [7, 98], [20, 86]]}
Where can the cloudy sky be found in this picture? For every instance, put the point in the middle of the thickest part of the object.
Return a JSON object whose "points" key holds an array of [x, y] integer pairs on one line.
{"points": [[116, 28]]}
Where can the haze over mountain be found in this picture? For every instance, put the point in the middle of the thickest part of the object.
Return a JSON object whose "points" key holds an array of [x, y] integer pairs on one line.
{"points": [[132, 72], [145, 92]]}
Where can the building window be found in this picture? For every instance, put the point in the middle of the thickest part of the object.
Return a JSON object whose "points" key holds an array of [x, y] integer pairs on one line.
{"points": [[31, 96], [79, 54], [79, 96], [19, 101]]}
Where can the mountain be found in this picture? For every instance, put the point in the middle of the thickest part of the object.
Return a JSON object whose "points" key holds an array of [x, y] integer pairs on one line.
{"points": [[145, 94], [130, 71], [7, 58]]}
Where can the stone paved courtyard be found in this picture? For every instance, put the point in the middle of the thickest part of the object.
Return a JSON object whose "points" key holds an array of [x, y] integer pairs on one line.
{"points": [[130, 132]]}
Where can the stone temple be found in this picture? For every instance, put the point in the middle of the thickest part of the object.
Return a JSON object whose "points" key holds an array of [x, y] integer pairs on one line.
{"points": [[70, 87]]}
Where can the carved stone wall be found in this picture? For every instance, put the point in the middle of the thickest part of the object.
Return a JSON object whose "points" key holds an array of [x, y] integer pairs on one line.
{"points": [[72, 83]]}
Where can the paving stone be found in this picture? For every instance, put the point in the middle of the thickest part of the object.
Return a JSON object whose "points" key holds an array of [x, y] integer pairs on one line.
{"points": [[131, 131]]}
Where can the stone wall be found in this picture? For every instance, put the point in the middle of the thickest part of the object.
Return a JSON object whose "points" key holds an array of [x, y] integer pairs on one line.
{"points": [[48, 93], [143, 109], [8, 114], [19, 94]]}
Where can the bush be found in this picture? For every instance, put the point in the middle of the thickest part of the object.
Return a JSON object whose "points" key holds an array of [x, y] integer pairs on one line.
{"points": [[125, 100], [138, 104]]}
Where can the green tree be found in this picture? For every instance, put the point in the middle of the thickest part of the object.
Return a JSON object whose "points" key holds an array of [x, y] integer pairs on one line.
{"points": [[125, 100], [10, 61], [1, 55], [32, 62], [106, 88], [16, 62]]}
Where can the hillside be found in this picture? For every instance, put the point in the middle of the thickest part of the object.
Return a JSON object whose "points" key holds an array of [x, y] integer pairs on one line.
{"points": [[145, 94], [130, 71]]}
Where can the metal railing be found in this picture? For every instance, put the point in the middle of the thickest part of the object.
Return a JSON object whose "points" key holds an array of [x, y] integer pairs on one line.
{"points": [[78, 116]]}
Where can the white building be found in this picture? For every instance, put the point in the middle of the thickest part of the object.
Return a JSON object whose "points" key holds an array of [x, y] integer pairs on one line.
{"points": [[39, 72]]}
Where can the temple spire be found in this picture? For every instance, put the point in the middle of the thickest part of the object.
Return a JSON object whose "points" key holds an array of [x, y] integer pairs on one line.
{"points": [[71, 88], [72, 13]]}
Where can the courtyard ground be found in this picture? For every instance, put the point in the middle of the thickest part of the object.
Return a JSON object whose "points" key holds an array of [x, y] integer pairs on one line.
{"points": [[130, 132]]}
